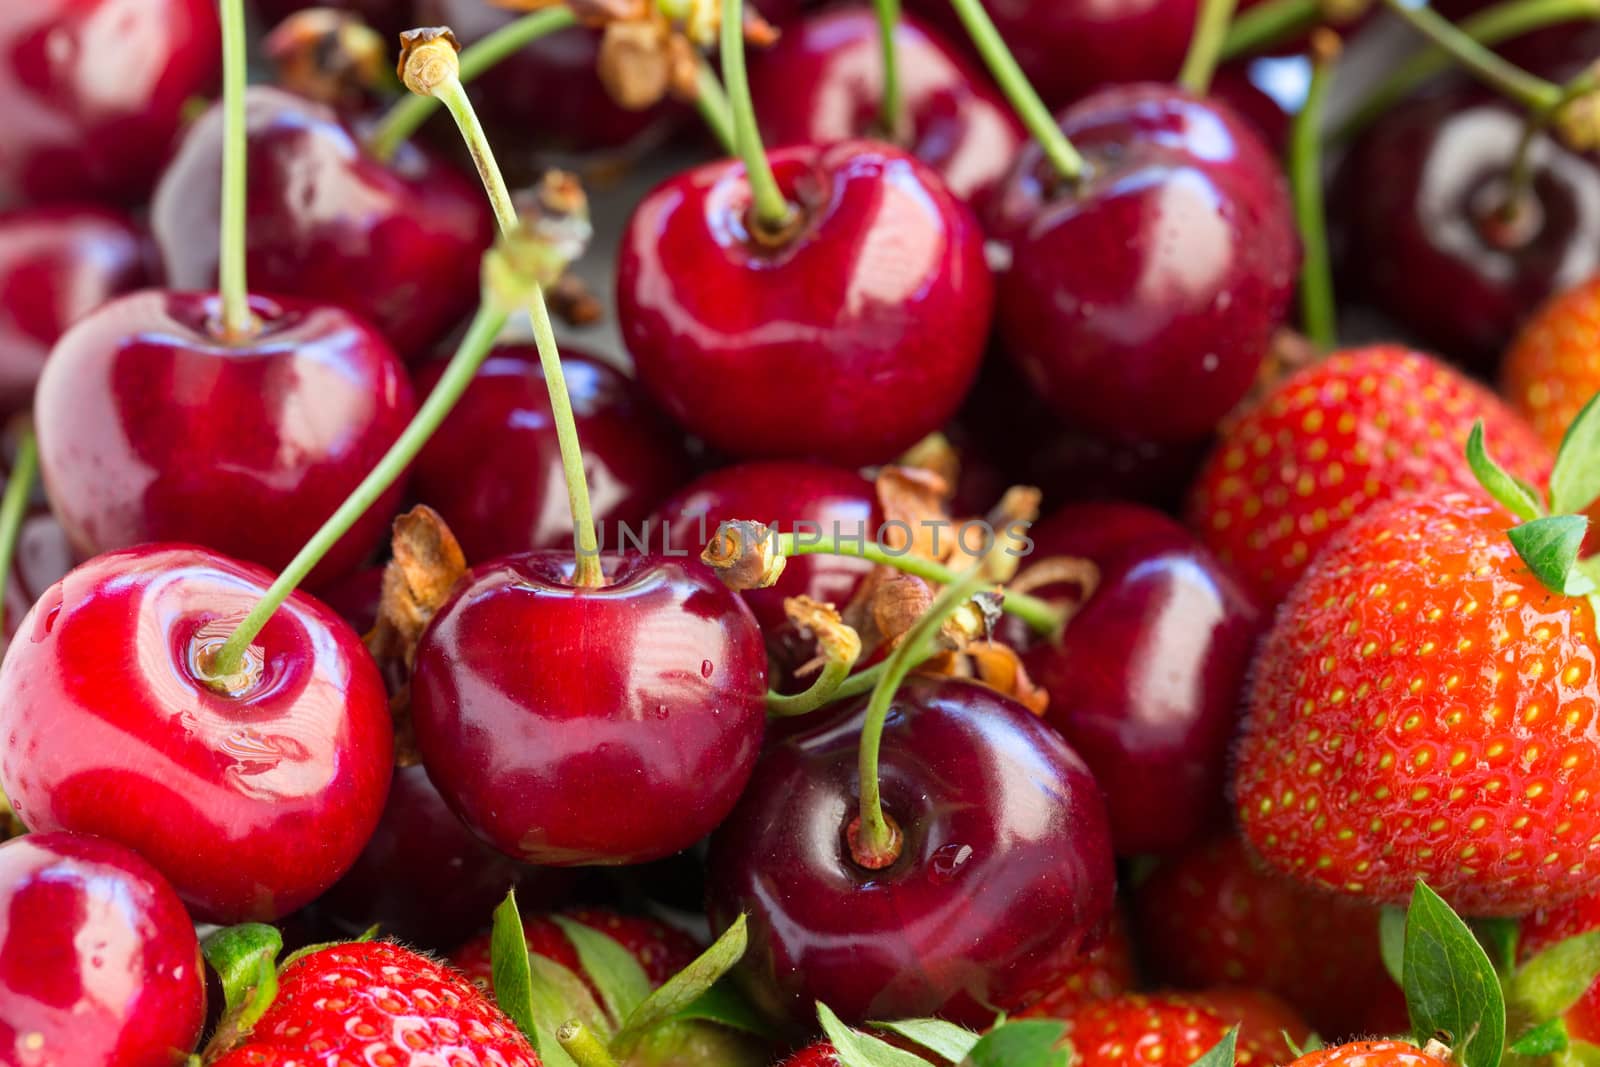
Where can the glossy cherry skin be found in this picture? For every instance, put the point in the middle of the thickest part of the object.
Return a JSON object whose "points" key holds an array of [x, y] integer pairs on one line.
{"points": [[398, 244], [1145, 683], [252, 803], [57, 264], [425, 878], [152, 429], [95, 92], [848, 341], [575, 727], [1419, 197], [823, 81], [1067, 47], [1006, 868], [496, 506], [1141, 300], [98, 960]]}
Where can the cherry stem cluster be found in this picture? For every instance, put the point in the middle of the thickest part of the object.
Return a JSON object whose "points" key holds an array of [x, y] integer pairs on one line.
{"points": [[1035, 116], [588, 572], [770, 209], [824, 689], [711, 100], [14, 504], [407, 116], [1317, 309], [1205, 47], [1532, 92], [458, 374], [891, 115], [238, 322]]}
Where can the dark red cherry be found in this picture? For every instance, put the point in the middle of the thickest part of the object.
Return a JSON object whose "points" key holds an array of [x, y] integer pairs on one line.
{"points": [[823, 81], [425, 878], [95, 92], [1146, 680], [57, 264], [151, 428], [1006, 868], [847, 340], [250, 802], [389, 17], [398, 244], [1268, 91], [578, 726], [1427, 240], [496, 504], [357, 597], [1141, 299], [1067, 47], [98, 960]]}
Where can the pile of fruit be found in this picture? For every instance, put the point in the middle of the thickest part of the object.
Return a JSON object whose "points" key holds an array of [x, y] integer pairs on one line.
{"points": [[981, 615]]}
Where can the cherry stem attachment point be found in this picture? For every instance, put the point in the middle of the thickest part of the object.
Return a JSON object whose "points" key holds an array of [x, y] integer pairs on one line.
{"points": [[1506, 78], [1268, 24], [1041, 125], [586, 1050], [891, 113], [771, 211], [711, 100], [429, 66], [238, 321], [1317, 315], [406, 117], [475, 346], [1205, 47], [14, 504]]}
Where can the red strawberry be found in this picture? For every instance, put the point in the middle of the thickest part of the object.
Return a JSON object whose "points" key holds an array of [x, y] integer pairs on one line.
{"points": [[1209, 916], [1425, 708], [1104, 971], [375, 1002], [661, 950], [821, 1054], [1163, 1029], [1329, 442], [1371, 1054], [1553, 367], [1548, 927]]}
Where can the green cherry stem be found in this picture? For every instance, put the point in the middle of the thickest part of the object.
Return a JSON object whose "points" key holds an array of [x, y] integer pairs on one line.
{"points": [[486, 325], [711, 100], [14, 504], [1508, 79], [1041, 125], [891, 114], [1305, 182], [583, 1045], [1508, 19], [823, 690], [1268, 24], [430, 67], [238, 322], [771, 211], [877, 842], [1205, 47], [406, 117]]}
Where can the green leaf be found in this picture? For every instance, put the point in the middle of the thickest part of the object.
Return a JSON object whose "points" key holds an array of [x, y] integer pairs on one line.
{"points": [[1578, 1054], [1499, 939], [528, 1005], [1543, 1039], [1550, 983], [688, 985], [1392, 942], [1222, 1053], [856, 1049], [946, 1040], [1550, 548], [723, 1004], [1451, 987], [1024, 1043], [622, 982], [1575, 480], [560, 996], [245, 958], [1517, 496]]}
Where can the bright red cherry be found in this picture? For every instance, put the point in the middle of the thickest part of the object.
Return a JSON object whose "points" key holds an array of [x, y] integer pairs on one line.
{"points": [[57, 264], [1067, 47], [397, 243], [848, 339], [151, 428], [793, 497], [1146, 680], [251, 801], [1141, 298], [823, 81], [1006, 868], [574, 725], [95, 92], [98, 960], [496, 506]]}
